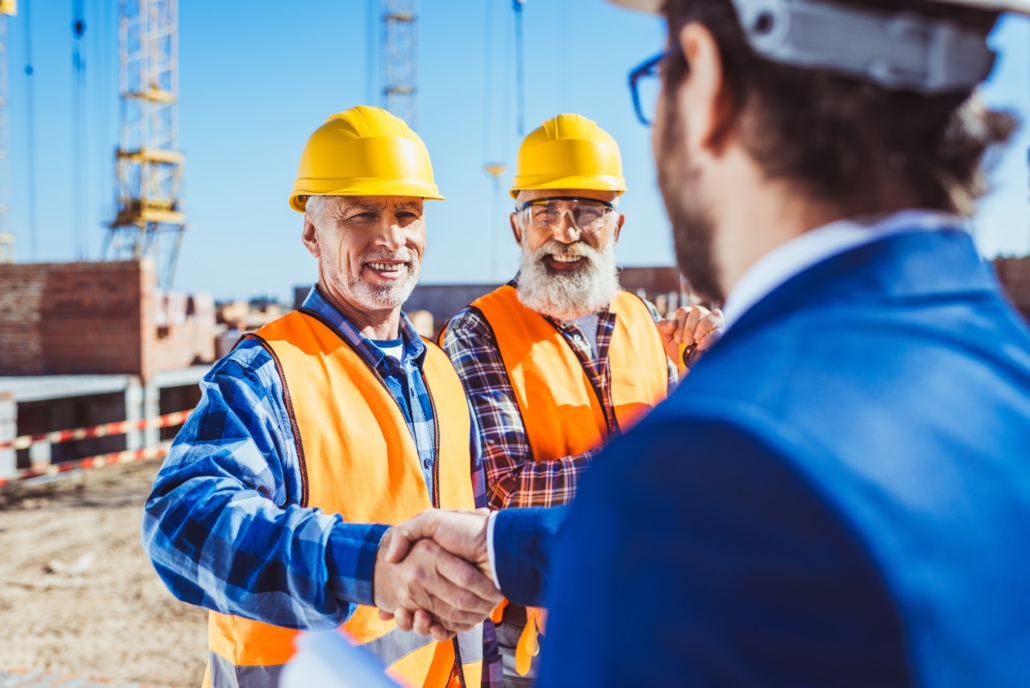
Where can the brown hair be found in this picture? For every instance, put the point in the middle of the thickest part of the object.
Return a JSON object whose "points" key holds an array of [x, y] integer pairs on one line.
{"points": [[853, 144]]}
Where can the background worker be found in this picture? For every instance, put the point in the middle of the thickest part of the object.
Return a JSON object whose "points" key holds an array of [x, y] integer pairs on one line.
{"points": [[560, 361], [320, 425]]}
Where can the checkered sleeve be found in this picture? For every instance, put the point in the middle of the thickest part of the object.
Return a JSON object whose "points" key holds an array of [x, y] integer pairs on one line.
{"points": [[513, 478], [224, 526]]}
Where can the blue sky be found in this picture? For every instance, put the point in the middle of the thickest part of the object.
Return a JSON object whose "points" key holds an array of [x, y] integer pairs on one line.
{"points": [[256, 78]]}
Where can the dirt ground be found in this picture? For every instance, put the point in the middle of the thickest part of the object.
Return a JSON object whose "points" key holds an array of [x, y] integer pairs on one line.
{"points": [[77, 593]]}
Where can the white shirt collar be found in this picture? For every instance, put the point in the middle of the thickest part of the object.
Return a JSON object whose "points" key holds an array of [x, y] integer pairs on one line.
{"points": [[797, 255]]}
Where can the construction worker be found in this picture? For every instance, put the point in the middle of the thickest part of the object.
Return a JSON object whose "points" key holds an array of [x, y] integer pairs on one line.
{"points": [[320, 427], [560, 361]]}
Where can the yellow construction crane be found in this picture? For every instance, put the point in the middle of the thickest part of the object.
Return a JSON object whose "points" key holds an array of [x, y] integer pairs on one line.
{"points": [[149, 167]]}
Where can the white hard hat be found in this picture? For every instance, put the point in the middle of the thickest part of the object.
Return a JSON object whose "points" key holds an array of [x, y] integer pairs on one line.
{"points": [[1018, 6], [898, 50]]}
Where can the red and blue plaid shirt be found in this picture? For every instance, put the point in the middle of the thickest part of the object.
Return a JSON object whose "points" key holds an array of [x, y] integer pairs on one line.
{"points": [[513, 477]]}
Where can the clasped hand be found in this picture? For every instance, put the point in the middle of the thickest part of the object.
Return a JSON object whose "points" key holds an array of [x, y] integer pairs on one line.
{"points": [[432, 573], [695, 327]]}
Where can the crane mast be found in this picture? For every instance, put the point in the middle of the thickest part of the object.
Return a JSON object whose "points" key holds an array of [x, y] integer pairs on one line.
{"points": [[398, 58], [7, 7], [148, 165]]}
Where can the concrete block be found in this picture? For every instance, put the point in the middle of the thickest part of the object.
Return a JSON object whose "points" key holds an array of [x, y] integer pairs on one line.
{"points": [[134, 412], [39, 455], [8, 431]]}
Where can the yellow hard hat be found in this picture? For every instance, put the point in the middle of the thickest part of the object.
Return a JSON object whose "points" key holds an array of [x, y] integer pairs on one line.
{"points": [[568, 152], [364, 151]]}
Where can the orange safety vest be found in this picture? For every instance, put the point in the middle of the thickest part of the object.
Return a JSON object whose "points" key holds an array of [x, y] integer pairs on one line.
{"points": [[357, 459], [560, 408]]}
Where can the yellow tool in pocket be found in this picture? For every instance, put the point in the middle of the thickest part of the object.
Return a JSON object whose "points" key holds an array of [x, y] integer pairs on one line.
{"points": [[686, 351], [528, 646]]}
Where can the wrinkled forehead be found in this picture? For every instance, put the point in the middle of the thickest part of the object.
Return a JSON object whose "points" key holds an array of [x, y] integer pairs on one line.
{"points": [[338, 204]]}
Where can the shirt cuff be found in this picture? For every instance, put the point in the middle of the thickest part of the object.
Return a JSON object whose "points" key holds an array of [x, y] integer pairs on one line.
{"points": [[490, 521], [351, 560]]}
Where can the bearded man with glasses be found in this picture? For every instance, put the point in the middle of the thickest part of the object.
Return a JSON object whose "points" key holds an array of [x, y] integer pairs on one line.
{"points": [[560, 361]]}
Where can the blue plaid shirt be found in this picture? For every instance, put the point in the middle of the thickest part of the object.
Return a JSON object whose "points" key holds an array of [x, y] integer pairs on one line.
{"points": [[224, 526]]}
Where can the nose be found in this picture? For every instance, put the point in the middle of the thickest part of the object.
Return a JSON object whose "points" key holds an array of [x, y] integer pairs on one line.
{"points": [[391, 235], [567, 232]]}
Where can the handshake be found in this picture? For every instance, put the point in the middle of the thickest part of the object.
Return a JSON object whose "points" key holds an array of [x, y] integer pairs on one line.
{"points": [[432, 573]]}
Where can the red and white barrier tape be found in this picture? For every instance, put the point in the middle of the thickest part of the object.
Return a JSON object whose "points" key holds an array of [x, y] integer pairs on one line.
{"points": [[98, 461], [117, 428]]}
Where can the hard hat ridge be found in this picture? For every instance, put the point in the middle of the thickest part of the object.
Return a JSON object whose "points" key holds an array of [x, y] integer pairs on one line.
{"points": [[364, 151], [568, 151]]}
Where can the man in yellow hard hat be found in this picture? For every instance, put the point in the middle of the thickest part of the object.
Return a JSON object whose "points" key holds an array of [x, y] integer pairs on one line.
{"points": [[321, 424], [560, 361]]}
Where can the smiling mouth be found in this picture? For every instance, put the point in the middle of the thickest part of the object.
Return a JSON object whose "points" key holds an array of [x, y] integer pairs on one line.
{"points": [[564, 261], [387, 267]]}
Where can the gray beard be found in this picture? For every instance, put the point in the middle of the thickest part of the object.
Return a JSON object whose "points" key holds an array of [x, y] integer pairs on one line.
{"points": [[385, 297], [566, 295], [693, 229], [377, 298]]}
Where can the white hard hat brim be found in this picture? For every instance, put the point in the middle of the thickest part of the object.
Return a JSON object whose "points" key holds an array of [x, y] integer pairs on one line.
{"points": [[1017, 6]]}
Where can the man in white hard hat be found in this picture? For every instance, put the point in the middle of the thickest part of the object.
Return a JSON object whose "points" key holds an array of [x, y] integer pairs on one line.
{"points": [[839, 492]]}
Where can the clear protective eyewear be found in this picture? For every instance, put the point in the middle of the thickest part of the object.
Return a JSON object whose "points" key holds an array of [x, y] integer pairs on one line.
{"points": [[587, 215]]}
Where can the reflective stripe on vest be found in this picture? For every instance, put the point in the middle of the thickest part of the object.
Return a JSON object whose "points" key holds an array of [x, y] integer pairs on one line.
{"points": [[560, 409], [357, 459]]}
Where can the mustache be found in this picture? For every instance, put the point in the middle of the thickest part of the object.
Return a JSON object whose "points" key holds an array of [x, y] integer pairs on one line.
{"points": [[579, 249]]}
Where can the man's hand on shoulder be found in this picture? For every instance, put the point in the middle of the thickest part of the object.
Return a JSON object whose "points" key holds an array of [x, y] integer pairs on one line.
{"points": [[695, 328], [433, 573]]}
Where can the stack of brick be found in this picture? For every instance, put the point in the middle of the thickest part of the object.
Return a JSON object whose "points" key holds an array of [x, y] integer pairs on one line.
{"points": [[96, 317]]}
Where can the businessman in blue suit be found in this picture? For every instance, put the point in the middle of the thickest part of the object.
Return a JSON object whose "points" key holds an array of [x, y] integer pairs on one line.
{"points": [[839, 494]]}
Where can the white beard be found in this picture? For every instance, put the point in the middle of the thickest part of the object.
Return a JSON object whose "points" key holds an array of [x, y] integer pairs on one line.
{"points": [[567, 295]]}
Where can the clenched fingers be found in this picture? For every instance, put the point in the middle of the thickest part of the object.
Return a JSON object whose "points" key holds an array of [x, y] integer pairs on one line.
{"points": [[450, 588], [708, 329], [476, 588]]}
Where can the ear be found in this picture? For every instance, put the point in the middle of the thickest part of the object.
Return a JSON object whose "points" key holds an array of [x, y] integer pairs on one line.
{"points": [[310, 237], [515, 229], [704, 99], [618, 227]]}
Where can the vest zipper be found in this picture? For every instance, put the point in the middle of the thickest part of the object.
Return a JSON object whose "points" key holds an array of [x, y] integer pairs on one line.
{"points": [[436, 443], [457, 662]]}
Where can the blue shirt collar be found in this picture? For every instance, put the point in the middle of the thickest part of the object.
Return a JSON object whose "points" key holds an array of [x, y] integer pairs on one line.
{"points": [[414, 348]]}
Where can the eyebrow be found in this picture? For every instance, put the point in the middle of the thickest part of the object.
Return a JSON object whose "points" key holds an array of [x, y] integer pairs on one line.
{"points": [[357, 205]]}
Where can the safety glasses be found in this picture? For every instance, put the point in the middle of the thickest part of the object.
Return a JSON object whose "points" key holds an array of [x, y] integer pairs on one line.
{"points": [[586, 214]]}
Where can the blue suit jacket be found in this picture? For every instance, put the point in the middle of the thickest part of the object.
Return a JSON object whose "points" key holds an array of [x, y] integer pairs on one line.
{"points": [[837, 495]]}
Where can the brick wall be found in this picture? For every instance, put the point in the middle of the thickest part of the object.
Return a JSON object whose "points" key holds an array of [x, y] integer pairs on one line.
{"points": [[21, 293], [95, 317], [70, 318], [654, 281], [1014, 275]]}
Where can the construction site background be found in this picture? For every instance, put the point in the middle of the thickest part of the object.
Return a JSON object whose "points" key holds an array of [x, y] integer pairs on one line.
{"points": [[79, 597]]}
